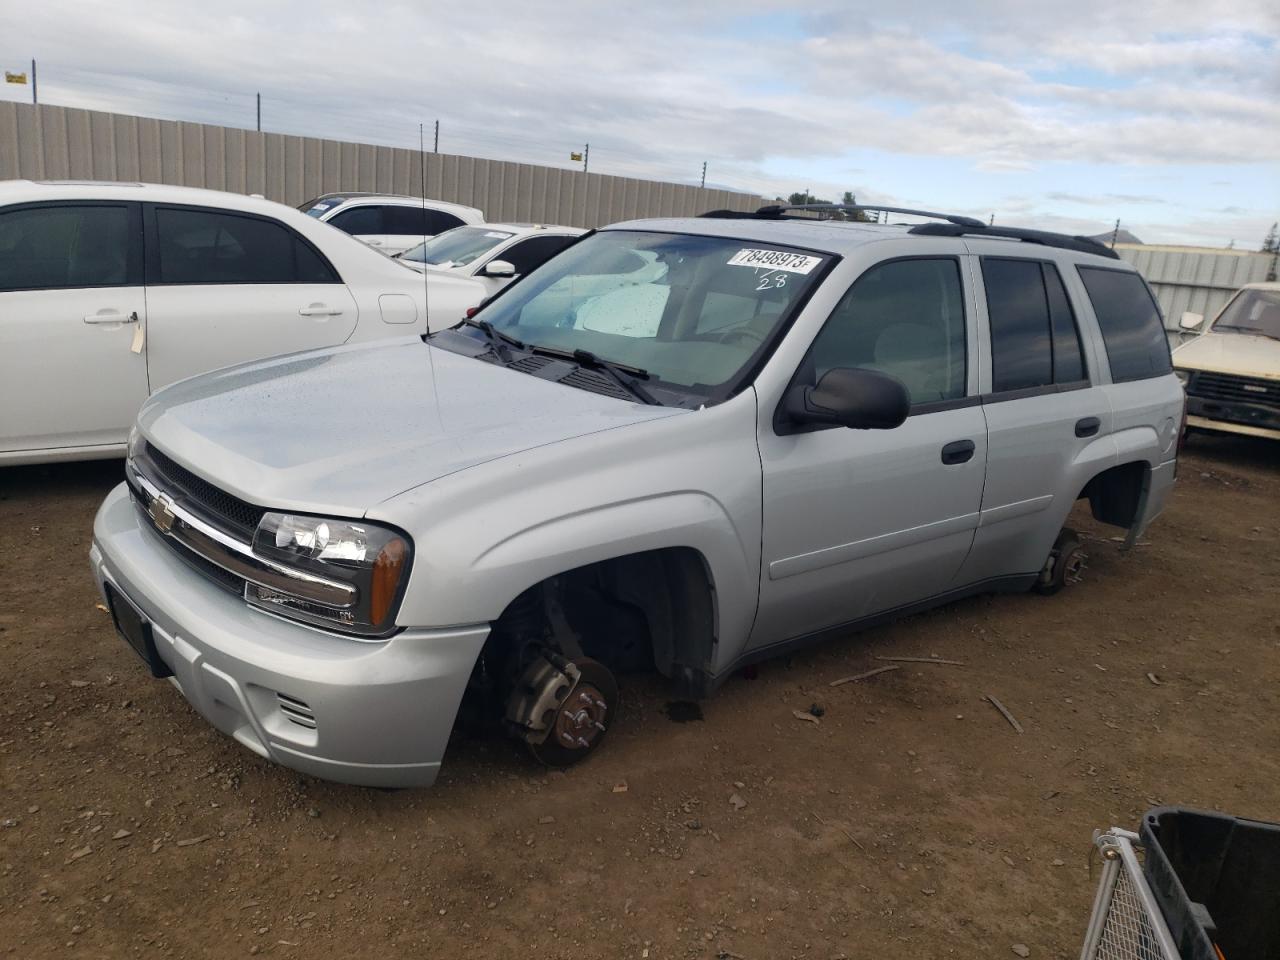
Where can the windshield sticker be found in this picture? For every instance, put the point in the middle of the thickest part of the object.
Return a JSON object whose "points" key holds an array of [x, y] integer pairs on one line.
{"points": [[321, 207], [774, 260]]}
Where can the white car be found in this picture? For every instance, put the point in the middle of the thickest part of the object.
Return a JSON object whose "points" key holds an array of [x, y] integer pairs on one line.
{"points": [[109, 291], [1231, 371], [392, 224], [494, 253]]}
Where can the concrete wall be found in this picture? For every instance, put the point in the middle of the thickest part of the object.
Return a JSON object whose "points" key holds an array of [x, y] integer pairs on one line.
{"points": [[47, 142], [1194, 278]]}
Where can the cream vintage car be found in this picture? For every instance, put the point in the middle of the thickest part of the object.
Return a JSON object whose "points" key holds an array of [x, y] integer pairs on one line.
{"points": [[1231, 371]]}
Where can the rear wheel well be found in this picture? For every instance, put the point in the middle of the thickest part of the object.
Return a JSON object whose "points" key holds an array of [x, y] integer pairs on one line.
{"points": [[631, 613], [1115, 495]]}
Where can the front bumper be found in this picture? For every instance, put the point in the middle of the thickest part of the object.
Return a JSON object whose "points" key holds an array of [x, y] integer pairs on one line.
{"points": [[1250, 419], [372, 713]]}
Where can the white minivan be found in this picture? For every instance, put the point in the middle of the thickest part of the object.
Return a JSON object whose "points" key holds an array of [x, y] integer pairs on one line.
{"points": [[109, 291]]}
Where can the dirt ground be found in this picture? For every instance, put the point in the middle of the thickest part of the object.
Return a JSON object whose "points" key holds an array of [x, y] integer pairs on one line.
{"points": [[911, 821]]}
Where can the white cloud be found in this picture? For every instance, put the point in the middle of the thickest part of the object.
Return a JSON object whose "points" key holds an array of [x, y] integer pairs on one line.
{"points": [[998, 89]]}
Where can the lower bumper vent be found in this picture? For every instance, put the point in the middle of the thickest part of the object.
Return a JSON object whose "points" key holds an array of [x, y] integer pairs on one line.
{"points": [[296, 711]]}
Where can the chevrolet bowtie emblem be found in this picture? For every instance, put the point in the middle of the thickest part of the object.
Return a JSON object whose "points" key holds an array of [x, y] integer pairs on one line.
{"points": [[161, 511]]}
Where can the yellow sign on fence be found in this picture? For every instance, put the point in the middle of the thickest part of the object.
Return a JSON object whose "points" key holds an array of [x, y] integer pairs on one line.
{"points": [[15, 77], [575, 156]]}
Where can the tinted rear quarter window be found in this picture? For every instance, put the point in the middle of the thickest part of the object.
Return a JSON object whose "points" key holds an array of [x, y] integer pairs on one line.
{"points": [[359, 220], [417, 221], [1132, 331]]}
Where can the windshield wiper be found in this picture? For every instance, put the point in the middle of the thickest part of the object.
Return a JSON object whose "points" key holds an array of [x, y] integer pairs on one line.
{"points": [[499, 340], [623, 374]]}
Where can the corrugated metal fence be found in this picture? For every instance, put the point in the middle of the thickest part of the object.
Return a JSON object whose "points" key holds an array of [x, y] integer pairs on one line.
{"points": [[48, 142], [1197, 280]]}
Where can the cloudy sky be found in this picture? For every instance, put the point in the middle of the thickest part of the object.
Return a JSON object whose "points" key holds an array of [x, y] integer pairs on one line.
{"points": [[1163, 113]]}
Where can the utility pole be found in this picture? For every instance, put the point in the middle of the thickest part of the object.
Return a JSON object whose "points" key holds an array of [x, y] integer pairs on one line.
{"points": [[992, 220], [704, 174], [259, 113], [437, 146], [1115, 233], [586, 157], [34, 98]]}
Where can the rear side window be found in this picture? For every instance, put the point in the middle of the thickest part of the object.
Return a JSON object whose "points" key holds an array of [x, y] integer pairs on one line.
{"points": [[417, 221], [904, 318], [1034, 341], [66, 246], [206, 246], [1137, 347]]}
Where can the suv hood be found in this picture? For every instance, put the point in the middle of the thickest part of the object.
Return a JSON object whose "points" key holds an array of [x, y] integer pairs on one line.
{"points": [[1238, 353], [342, 429]]}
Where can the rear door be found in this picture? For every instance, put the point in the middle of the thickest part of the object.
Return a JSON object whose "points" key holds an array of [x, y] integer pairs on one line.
{"points": [[224, 287], [1043, 408], [72, 317]]}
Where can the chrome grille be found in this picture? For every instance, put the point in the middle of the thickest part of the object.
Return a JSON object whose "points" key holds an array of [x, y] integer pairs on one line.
{"points": [[1235, 389], [218, 507]]}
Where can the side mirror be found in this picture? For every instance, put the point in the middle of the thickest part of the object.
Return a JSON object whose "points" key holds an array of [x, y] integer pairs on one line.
{"points": [[859, 398], [499, 268], [1191, 320]]}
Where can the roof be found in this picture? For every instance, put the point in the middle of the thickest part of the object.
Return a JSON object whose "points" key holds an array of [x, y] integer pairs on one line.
{"points": [[22, 191], [396, 198], [530, 227], [844, 236]]}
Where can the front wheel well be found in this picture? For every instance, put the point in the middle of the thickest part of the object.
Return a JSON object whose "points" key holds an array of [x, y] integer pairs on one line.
{"points": [[1115, 495], [633, 612]]}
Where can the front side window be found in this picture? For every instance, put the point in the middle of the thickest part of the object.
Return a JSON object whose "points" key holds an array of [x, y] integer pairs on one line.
{"points": [[1034, 340], [691, 311], [1137, 347], [1251, 312], [456, 247], [65, 246], [528, 255], [904, 318], [359, 221], [208, 246]]}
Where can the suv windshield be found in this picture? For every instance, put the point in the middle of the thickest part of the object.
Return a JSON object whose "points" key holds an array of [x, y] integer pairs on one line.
{"points": [[1255, 312], [690, 311], [456, 247]]}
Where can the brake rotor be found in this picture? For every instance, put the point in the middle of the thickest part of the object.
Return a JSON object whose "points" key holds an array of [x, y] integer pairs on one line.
{"points": [[581, 720]]}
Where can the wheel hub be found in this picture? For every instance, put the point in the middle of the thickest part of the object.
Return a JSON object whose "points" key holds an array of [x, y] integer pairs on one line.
{"points": [[580, 718]]}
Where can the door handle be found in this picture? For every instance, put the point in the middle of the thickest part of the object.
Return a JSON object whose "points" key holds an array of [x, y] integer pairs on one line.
{"points": [[1088, 426], [111, 316], [318, 310], [958, 451]]}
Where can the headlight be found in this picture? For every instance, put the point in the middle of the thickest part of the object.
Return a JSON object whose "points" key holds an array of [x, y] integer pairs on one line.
{"points": [[371, 558], [1184, 376]]}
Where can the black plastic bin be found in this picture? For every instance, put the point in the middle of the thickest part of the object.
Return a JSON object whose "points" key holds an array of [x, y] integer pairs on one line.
{"points": [[1217, 881]]}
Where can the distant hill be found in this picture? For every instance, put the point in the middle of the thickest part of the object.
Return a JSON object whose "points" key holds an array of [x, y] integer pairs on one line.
{"points": [[1122, 236]]}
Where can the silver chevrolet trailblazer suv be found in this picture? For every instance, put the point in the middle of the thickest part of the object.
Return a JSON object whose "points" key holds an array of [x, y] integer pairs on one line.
{"points": [[687, 444]]}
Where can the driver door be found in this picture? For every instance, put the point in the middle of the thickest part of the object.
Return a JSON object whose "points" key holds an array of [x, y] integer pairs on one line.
{"points": [[861, 522]]}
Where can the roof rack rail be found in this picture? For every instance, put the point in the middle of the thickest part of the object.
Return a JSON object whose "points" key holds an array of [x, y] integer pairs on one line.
{"points": [[1043, 237], [778, 209]]}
